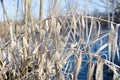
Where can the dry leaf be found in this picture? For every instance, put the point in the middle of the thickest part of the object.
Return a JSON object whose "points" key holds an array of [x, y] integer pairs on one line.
{"points": [[36, 49], [25, 42]]}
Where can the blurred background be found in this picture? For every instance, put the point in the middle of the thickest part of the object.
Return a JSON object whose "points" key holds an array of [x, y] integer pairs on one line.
{"points": [[15, 10]]}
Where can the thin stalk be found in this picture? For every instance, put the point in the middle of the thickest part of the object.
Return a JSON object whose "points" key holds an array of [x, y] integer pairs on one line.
{"points": [[41, 12]]}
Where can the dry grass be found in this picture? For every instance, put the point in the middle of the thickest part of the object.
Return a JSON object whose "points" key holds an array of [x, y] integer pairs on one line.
{"points": [[40, 52]]}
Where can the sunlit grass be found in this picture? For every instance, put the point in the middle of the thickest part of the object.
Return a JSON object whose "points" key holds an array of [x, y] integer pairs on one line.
{"points": [[35, 51]]}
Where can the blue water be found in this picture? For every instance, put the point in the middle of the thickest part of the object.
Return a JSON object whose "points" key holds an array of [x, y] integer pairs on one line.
{"points": [[107, 74]]}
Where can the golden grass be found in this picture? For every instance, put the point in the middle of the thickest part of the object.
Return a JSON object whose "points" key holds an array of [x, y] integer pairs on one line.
{"points": [[27, 54]]}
